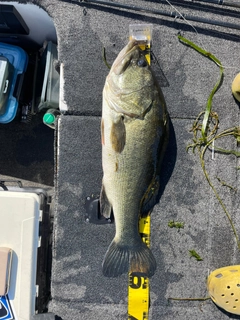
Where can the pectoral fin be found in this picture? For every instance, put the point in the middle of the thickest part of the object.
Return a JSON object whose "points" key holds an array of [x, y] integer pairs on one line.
{"points": [[118, 135], [105, 206]]}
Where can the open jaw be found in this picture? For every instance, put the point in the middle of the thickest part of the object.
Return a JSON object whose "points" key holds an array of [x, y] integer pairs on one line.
{"points": [[125, 56]]}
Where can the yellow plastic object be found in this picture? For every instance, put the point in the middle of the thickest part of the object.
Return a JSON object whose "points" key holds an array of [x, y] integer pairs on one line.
{"points": [[138, 283], [236, 87], [224, 288]]}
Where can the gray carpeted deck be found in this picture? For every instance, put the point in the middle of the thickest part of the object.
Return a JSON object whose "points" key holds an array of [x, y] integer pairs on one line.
{"points": [[79, 290]]}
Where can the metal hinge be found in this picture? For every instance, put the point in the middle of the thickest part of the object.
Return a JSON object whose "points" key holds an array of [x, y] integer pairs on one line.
{"points": [[93, 214]]}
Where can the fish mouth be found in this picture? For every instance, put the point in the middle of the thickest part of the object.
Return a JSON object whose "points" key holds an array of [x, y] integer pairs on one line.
{"points": [[130, 51]]}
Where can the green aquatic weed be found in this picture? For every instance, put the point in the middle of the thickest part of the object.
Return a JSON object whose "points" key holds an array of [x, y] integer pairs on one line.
{"points": [[176, 224], [225, 184], [105, 58], [215, 88], [194, 254], [207, 123], [190, 299]]}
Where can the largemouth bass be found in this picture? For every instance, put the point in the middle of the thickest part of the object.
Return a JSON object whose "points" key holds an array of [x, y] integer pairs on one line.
{"points": [[134, 131]]}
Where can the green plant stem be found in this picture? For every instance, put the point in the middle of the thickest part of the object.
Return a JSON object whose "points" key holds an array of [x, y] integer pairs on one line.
{"points": [[215, 88], [233, 152], [190, 299], [195, 255], [216, 193], [206, 140], [105, 59], [223, 183]]}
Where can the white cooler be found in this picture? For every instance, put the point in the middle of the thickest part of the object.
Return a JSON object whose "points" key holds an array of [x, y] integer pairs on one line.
{"points": [[20, 215]]}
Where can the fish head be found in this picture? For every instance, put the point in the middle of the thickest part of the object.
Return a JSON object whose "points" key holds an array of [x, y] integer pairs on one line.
{"points": [[130, 84]]}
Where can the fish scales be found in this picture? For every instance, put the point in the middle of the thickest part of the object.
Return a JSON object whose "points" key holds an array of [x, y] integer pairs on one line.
{"points": [[134, 136]]}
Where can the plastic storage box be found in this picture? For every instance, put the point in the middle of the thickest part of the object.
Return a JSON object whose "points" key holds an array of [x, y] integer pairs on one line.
{"points": [[21, 231], [6, 75], [13, 64], [51, 79]]}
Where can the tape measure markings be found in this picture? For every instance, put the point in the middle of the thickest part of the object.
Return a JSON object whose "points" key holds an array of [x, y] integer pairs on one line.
{"points": [[138, 285]]}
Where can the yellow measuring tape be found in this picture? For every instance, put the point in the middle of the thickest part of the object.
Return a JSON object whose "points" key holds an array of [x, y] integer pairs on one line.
{"points": [[138, 283]]}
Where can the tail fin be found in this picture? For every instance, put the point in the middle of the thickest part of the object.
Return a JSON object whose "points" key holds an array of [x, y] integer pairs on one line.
{"points": [[120, 259]]}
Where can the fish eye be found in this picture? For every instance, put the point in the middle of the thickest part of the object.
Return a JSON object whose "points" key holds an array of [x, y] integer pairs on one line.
{"points": [[142, 63]]}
